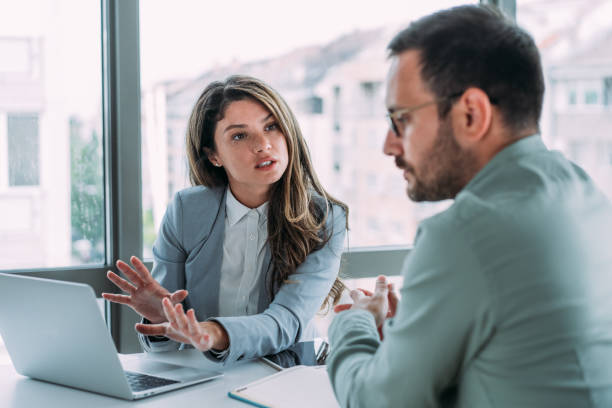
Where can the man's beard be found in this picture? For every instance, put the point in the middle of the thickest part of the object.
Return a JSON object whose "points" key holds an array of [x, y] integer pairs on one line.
{"points": [[446, 170]]}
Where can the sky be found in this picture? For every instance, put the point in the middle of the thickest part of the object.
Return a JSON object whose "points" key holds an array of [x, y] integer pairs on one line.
{"points": [[188, 37]]}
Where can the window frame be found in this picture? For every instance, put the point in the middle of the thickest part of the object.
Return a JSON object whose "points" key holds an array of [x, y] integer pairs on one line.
{"points": [[121, 159]]}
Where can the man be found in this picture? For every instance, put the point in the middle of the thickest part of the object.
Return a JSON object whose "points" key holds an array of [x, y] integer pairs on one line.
{"points": [[507, 295]]}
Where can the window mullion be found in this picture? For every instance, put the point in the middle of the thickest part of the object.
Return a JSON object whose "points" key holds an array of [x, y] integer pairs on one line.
{"points": [[121, 83]]}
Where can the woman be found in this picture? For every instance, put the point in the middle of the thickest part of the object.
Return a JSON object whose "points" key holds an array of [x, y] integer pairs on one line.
{"points": [[256, 242]]}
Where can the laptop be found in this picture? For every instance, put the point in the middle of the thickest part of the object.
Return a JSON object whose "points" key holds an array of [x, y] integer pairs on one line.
{"points": [[54, 332]]}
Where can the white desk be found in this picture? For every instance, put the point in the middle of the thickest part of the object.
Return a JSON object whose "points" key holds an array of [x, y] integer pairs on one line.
{"points": [[17, 391]]}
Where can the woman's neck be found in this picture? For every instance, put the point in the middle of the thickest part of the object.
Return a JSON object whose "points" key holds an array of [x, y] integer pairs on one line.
{"points": [[250, 197]]}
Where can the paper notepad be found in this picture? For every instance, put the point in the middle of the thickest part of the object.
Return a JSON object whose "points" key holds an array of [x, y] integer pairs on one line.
{"points": [[295, 387]]}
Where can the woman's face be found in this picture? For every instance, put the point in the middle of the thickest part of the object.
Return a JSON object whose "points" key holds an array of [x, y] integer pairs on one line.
{"points": [[251, 147]]}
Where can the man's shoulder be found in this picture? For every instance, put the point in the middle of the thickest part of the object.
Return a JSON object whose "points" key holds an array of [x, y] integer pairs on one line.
{"points": [[462, 215], [469, 231]]}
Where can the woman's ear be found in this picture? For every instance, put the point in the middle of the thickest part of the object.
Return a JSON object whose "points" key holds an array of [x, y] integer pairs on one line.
{"points": [[212, 157]]}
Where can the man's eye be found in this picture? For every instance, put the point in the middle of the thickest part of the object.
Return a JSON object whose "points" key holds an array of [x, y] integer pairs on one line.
{"points": [[238, 136], [404, 119]]}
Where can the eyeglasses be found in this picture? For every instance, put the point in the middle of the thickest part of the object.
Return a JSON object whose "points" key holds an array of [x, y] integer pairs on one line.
{"points": [[396, 118]]}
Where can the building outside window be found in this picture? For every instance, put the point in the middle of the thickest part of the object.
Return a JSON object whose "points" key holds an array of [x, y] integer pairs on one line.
{"points": [[51, 195], [333, 79], [574, 39]]}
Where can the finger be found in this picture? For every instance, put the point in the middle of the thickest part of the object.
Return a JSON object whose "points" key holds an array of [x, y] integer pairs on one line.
{"points": [[342, 307], [178, 296], [192, 322], [177, 336], [181, 319], [393, 300], [130, 273], [169, 312], [122, 299], [151, 329], [381, 286], [366, 292], [356, 295], [141, 269], [204, 342], [380, 333], [121, 283]]}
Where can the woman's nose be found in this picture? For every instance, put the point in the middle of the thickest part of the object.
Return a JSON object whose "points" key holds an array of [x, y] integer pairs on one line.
{"points": [[261, 143]]}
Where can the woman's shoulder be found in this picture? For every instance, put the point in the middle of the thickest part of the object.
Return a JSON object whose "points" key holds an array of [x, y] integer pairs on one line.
{"points": [[195, 209], [335, 213], [325, 204], [198, 196]]}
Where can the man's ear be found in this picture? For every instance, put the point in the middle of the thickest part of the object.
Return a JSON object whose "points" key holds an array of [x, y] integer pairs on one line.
{"points": [[471, 116], [213, 157]]}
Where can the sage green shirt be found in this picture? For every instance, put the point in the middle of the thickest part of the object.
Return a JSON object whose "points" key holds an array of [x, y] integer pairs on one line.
{"points": [[506, 301]]}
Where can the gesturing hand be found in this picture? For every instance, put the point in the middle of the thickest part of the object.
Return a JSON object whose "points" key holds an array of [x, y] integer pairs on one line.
{"points": [[382, 303], [183, 327], [144, 294]]}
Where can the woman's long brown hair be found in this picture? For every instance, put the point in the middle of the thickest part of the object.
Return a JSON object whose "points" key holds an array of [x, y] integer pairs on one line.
{"points": [[299, 206]]}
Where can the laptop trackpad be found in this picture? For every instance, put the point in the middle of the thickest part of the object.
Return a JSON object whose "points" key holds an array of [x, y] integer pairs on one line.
{"points": [[166, 370]]}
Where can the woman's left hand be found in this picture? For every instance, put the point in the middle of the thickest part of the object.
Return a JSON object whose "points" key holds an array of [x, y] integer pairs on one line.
{"points": [[183, 327]]}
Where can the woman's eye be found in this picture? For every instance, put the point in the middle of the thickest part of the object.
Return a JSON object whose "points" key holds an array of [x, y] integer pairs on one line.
{"points": [[238, 136], [271, 127]]}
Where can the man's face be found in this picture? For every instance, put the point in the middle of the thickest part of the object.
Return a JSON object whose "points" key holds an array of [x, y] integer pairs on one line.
{"points": [[435, 167]]}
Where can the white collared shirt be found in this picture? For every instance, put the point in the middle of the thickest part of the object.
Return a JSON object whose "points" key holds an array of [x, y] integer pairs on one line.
{"points": [[244, 249]]}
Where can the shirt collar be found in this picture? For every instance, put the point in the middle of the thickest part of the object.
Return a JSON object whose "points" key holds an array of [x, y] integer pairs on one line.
{"points": [[235, 210], [522, 147]]}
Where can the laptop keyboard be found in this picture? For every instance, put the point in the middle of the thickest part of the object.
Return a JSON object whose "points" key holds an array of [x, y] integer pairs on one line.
{"points": [[141, 382]]}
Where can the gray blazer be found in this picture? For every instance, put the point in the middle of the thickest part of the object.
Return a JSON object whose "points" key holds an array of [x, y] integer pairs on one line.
{"points": [[188, 254]]}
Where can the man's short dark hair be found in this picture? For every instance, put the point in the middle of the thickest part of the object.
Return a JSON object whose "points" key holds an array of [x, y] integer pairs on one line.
{"points": [[476, 46]]}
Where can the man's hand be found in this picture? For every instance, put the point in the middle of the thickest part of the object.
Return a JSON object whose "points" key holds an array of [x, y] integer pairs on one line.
{"points": [[145, 294], [382, 303], [183, 327]]}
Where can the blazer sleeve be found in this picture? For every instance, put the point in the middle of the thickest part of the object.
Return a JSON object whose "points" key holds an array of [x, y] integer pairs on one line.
{"points": [[169, 266], [295, 304]]}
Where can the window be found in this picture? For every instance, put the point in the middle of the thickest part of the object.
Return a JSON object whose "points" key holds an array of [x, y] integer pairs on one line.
{"points": [[607, 97], [23, 146], [332, 77], [372, 102], [591, 97], [51, 174], [572, 39]]}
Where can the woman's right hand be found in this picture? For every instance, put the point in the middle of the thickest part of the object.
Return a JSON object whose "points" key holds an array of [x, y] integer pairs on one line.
{"points": [[144, 294]]}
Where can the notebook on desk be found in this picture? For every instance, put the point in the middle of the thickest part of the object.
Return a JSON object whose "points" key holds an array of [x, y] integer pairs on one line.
{"points": [[54, 331], [295, 387]]}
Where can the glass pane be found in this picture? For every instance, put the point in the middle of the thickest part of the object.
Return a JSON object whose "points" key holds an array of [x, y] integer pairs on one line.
{"points": [[327, 59], [23, 165], [574, 41], [51, 180]]}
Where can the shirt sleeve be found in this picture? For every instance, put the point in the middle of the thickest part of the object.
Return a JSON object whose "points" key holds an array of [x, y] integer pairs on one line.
{"points": [[295, 304], [442, 320], [168, 268]]}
